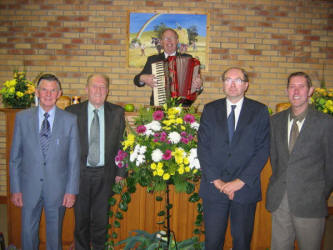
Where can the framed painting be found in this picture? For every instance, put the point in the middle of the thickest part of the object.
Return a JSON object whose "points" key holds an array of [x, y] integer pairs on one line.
{"points": [[146, 28]]}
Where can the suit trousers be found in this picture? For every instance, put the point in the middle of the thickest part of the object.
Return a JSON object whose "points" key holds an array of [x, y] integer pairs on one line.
{"points": [[216, 214], [91, 210], [286, 228], [31, 214]]}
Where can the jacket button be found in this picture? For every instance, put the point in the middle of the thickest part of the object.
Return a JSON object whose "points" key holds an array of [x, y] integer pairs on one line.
{"points": [[44, 163], [41, 179], [229, 155]]}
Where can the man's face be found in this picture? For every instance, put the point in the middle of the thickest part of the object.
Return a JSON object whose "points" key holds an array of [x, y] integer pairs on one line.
{"points": [[169, 42], [233, 86], [48, 92], [299, 92], [97, 91]]}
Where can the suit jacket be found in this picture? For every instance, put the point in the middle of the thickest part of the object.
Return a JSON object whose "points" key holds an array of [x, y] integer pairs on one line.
{"points": [[147, 70], [53, 176], [243, 158], [114, 129], [307, 173]]}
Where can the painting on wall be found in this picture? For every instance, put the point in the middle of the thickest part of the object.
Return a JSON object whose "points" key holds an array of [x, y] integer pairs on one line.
{"points": [[145, 28]]}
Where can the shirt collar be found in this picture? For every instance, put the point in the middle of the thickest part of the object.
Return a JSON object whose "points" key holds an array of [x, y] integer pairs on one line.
{"points": [[51, 112], [238, 104], [91, 108], [167, 55]]}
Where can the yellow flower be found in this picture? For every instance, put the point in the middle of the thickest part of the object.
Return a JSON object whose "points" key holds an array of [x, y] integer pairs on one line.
{"points": [[160, 172], [11, 90], [129, 142], [179, 155], [153, 166], [19, 94], [181, 170], [179, 121], [187, 169], [182, 127], [195, 171], [166, 176], [159, 165], [154, 173]]}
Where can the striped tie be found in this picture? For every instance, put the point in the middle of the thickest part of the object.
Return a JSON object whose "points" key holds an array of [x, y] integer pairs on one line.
{"points": [[44, 134]]}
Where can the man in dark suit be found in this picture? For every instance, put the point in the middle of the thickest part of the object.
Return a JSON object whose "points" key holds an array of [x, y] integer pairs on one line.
{"points": [[99, 145], [302, 169], [233, 147], [169, 42], [44, 165]]}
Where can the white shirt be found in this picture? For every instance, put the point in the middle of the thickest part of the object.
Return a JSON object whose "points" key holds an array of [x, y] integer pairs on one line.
{"points": [[167, 55], [238, 109]]}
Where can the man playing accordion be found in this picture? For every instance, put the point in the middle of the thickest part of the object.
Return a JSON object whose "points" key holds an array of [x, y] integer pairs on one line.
{"points": [[169, 42]]}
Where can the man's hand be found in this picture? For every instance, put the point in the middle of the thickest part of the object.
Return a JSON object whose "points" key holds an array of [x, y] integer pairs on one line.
{"points": [[218, 184], [69, 200], [229, 188], [150, 80], [197, 82], [17, 200]]}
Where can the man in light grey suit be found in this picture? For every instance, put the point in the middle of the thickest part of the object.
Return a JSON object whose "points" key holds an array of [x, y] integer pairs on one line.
{"points": [[302, 169], [44, 165]]}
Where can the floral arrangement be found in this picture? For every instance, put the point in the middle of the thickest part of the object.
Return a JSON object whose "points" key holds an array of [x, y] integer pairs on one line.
{"points": [[322, 99], [159, 149], [18, 92], [162, 149]]}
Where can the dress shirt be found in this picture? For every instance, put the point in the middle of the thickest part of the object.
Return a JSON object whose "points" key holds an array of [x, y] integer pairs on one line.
{"points": [[290, 123], [91, 109], [41, 117], [167, 55], [237, 109]]}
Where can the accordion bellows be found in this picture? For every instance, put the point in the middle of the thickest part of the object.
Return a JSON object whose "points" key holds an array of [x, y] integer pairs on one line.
{"points": [[174, 78]]}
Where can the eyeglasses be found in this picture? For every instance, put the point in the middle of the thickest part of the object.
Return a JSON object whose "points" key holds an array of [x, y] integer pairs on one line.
{"points": [[237, 80]]}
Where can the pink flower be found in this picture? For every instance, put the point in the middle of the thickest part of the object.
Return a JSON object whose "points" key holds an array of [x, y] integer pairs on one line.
{"points": [[120, 164], [158, 115], [183, 134], [189, 118], [167, 155], [155, 140], [141, 129], [190, 137], [184, 140]]}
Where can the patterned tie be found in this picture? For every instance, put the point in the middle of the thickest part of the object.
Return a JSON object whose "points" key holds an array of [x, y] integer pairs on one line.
{"points": [[93, 155], [294, 131], [231, 122], [45, 134]]}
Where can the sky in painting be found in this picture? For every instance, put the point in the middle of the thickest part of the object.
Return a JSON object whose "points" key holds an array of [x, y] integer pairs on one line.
{"points": [[137, 20]]}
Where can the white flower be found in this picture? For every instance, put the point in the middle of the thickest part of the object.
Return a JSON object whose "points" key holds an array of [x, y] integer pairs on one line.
{"points": [[193, 153], [174, 137], [154, 125], [141, 159], [142, 149], [195, 125], [133, 156], [194, 163], [156, 155], [149, 132]]}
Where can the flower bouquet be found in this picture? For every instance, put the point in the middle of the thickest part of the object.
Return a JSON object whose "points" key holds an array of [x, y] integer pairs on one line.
{"points": [[162, 148], [18, 92], [159, 150], [322, 99]]}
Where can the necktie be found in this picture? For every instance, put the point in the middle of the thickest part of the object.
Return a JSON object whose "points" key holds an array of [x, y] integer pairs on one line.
{"points": [[94, 144], [294, 131], [231, 122], [45, 134]]}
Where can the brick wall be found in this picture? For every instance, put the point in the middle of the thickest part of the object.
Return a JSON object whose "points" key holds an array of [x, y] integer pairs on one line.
{"points": [[73, 38]]}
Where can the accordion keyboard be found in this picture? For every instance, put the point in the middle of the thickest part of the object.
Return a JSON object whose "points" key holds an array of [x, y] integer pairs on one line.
{"points": [[159, 90]]}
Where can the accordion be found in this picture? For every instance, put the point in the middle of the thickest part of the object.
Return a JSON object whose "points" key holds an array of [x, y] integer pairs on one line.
{"points": [[174, 78]]}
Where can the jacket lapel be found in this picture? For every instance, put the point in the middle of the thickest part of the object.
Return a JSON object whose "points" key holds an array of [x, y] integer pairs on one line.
{"points": [[221, 117], [83, 128], [108, 112]]}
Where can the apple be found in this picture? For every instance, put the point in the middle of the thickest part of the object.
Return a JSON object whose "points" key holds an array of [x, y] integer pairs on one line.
{"points": [[129, 107]]}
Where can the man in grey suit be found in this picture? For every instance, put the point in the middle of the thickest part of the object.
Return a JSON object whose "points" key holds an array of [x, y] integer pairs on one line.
{"points": [[302, 169], [100, 143], [44, 165]]}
